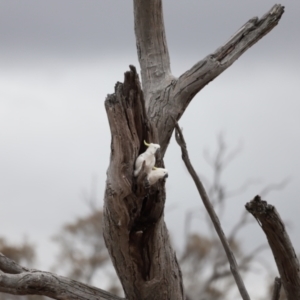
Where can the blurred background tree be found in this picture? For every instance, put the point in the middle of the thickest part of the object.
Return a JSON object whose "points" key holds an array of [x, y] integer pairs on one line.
{"points": [[83, 255]]}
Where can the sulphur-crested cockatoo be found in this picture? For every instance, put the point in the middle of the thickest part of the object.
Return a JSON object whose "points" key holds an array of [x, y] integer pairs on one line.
{"points": [[148, 157], [156, 174]]}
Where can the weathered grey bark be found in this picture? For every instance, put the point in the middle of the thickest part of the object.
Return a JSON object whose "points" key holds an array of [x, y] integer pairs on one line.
{"points": [[17, 280], [166, 97], [134, 228], [283, 251], [213, 216], [152, 48]]}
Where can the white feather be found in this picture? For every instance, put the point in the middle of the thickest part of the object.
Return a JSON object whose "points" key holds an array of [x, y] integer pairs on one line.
{"points": [[149, 157], [157, 174]]}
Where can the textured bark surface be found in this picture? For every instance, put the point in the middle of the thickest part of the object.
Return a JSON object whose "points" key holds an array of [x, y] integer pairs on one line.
{"points": [[15, 279], [283, 251], [152, 48], [134, 228], [167, 97]]}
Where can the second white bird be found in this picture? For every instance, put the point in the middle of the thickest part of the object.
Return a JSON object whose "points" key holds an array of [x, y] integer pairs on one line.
{"points": [[156, 174]]}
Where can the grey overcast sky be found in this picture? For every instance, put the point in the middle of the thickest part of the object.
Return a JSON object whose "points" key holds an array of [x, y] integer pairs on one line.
{"points": [[59, 60]]}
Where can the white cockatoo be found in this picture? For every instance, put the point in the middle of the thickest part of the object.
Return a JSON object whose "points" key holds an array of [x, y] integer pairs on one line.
{"points": [[156, 174], [148, 156]]}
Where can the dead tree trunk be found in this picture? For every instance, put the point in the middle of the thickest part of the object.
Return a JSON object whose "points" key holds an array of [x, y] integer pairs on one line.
{"points": [[134, 227]]}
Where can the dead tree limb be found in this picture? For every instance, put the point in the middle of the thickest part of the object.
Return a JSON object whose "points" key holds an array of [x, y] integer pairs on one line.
{"points": [[17, 280], [214, 218], [283, 251]]}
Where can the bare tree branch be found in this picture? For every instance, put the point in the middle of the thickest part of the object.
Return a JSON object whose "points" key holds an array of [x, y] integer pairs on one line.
{"points": [[233, 265], [51, 285], [243, 266], [193, 80], [221, 159], [243, 221], [274, 186], [9, 266], [14, 279], [277, 288], [243, 187], [280, 244]]}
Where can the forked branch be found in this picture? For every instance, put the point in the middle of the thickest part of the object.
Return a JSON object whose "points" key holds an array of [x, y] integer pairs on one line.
{"points": [[233, 264], [170, 97], [193, 80]]}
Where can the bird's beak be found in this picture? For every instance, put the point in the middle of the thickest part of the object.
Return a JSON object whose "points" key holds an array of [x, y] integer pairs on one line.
{"points": [[166, 176]]}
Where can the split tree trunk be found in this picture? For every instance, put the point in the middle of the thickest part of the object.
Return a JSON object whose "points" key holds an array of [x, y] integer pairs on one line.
{"points": [[135, 231]]}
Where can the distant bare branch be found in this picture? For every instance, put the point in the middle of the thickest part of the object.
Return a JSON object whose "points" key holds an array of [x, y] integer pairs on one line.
{"points": [[232, 154], [222, 158], [243, 221], [243, 187], [243, 266], [249, 257], [233, 265], [274, 186]]}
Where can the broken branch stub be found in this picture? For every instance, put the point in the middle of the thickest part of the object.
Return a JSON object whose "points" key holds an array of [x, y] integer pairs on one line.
{"points": [[280, 244]]}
